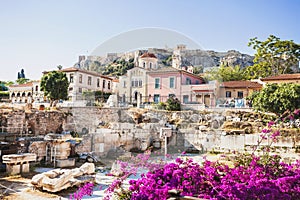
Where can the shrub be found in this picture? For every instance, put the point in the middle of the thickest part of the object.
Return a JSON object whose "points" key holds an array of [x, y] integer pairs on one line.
{"points": [[173, 104]]}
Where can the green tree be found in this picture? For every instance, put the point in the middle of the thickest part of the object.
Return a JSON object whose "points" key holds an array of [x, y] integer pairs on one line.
{"points": [[55, 86], [59, 67], [92, 96], [21, 74], [4, 95], [173, 104], [198, 69], [95, 66], [224, 73], [3, 86], [8, 83], [167, 61], [273, 56], [22, 80], [102, 96], [118, 67], [257, 71], [277, 98]]}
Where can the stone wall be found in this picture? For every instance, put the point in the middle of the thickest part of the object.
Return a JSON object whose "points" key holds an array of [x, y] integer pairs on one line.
{"points": [[114, 142], [31, 122], [42, 123], [125, 129], [110, 129], [215, 141], [88, 119]]}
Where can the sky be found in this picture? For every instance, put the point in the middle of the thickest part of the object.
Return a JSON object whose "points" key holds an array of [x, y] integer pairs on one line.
{"points": [[40, 35]]}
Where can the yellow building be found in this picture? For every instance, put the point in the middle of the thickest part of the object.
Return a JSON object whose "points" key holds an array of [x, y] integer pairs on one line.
{"points": [[238, 89]]}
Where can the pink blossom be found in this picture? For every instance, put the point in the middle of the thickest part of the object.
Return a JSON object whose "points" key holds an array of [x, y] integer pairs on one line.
{"points": [[271, 123]]}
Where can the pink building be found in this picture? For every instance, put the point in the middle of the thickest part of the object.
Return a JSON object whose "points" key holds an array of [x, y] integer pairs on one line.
{"points": [[166, 82]]}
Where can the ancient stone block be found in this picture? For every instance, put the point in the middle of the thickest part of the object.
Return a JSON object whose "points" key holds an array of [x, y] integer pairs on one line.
{"points": [[65, 162], [13, 169], [64, 178], [25, 167]]}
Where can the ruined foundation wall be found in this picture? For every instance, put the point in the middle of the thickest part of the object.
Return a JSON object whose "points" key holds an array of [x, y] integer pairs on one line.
{"points": [[32, 122]]}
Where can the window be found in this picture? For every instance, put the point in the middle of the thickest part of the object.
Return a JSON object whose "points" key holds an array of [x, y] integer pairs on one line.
{"points": [[188, 81], [108, 85], [89, 80], [98, 82], [185, 98], [144, 64], [150, 65], [140, 83], [36, 88], [171, 95], [80, 78], [197, 82], [124, 84], [228, 94], [136, 83], [71, 78], [172, 82], [103, 84], [80, 90], [156, 98], [157, 83], [240, 94], [132, 83]]}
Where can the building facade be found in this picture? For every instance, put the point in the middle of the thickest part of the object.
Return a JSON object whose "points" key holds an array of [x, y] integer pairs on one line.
{"points": [[237, 91], [133, 85], [26, 93], [83, 80], [206, 94], [166, 82], [227, 94]]}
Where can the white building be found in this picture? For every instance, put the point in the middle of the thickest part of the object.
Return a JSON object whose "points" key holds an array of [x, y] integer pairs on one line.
{"points": [[26, 93], [147, 61], [133, 85], [82, 80]]}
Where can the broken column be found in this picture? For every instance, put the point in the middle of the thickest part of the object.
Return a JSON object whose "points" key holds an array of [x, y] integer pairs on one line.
{"points": [[60, 179]]}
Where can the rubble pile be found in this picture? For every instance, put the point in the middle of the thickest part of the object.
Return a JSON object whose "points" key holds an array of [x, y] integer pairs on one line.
{"points": [[60, 179]]}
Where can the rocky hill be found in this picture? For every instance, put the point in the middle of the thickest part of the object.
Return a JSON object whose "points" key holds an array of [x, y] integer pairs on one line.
{"points": [[197, 57]]}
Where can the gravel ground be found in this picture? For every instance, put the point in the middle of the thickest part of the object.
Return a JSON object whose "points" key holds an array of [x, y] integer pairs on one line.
{"points": [[19, 188]]}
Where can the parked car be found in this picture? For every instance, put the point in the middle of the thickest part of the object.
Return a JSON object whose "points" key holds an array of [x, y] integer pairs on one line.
{"points": [[226, 105]]}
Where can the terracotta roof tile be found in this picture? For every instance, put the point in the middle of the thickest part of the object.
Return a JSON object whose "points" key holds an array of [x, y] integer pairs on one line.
{"points": [[282, 77], [241, 84], [75, 69], [148, 55], [22, 85]]}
